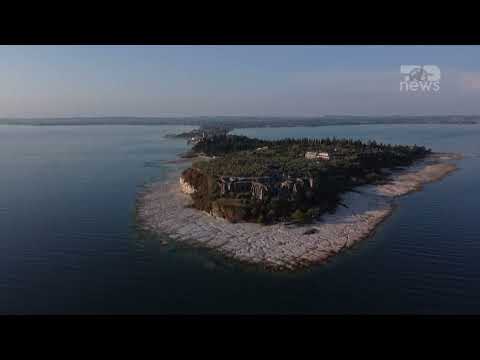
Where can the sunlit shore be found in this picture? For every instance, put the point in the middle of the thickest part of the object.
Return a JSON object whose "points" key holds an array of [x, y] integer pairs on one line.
{"points": [[164, 209]]}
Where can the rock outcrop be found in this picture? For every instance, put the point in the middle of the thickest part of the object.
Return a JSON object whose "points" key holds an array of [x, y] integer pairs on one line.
{"points": [[185, 187]]}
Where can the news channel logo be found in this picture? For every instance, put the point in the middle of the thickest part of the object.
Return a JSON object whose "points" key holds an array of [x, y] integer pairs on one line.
{"points": [[420, 78]]}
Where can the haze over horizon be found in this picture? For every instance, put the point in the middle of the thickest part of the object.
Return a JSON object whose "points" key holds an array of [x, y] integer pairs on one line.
{"points": [[233, 117], [253, 81]]}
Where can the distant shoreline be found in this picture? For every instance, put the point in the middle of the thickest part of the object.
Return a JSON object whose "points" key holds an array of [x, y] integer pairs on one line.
{"points": [[242, 122], [163, 209]]}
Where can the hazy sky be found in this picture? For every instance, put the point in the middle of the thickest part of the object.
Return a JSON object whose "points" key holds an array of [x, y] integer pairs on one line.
{"points": [[56, 81]]}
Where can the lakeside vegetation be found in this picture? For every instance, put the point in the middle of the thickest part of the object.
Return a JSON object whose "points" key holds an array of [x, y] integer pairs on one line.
{"points": [[195, 135], [268, 181]]}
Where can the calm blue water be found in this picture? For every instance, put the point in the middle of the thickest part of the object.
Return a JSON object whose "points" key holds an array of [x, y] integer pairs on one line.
{"points": [[69, 244]]}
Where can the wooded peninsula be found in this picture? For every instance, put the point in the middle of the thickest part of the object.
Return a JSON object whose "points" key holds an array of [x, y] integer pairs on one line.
{"points": [[288, 180]]}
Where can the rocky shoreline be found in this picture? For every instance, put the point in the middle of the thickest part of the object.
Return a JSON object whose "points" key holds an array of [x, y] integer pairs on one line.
{"points": [[164, 209]]}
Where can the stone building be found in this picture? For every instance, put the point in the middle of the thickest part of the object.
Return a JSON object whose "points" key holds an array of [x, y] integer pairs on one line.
{"points": [[236, 185], [314, 155], [259, 187], [259, 190], [292, 186]]}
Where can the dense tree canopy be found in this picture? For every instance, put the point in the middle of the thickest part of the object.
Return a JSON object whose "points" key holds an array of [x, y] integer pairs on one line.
{"points": [[351, 163]]}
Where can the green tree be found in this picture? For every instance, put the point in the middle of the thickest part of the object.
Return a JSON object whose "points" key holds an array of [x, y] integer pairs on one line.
{"points": [[298, 216]]}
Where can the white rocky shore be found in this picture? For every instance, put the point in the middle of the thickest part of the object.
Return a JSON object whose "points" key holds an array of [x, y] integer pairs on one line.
{"points": [[163, 208]]}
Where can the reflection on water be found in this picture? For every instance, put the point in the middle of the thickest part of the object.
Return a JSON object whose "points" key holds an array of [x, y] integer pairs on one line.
{"points": [[69, 243]]}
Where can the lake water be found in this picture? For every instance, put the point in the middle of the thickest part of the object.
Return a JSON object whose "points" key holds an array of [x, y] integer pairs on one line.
{"points": [[69, 243]]}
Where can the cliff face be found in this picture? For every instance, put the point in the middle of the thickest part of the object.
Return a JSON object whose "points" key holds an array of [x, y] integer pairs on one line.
{"points": [[231, 210], [195, 184], [185, 187]]}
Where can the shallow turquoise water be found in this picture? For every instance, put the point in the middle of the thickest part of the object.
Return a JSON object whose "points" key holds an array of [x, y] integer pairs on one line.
{"points": [[68, 243]]}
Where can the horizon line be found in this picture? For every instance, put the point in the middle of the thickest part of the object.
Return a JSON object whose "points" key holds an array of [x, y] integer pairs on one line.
{"points": [[227, 116]]}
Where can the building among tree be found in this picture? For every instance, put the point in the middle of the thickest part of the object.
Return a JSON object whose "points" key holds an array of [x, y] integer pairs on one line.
{"points": [[314, 155]]}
